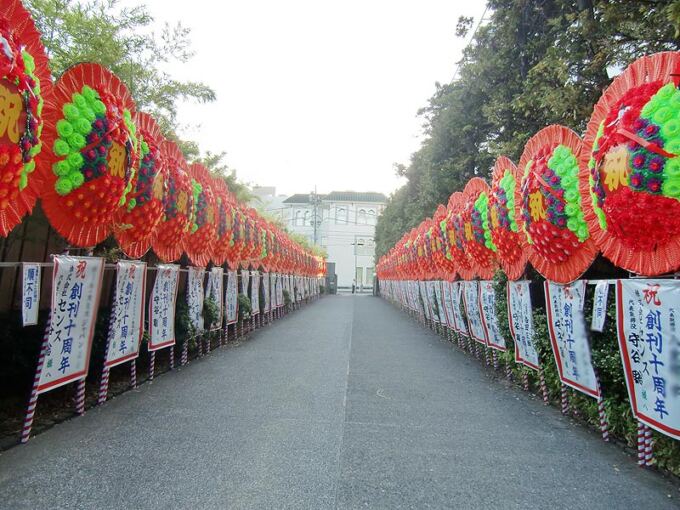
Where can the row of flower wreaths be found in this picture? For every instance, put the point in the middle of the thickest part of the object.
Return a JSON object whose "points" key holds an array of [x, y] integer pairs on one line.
{"points": [[100, 167], [615, 192]]}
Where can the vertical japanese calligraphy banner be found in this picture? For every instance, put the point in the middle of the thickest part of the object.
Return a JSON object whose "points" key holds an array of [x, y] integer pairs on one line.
{"points": [[195, 296], [279, 291], [214, 291], [162, 307], [441, 315], [599, 306], [272, 291], [648, 315], [266, 293], [255, 293], [522, 324], [415, 301], [30, 296], [273, 282], [473, 311], [231, 297], [424, 298], [76, 287], [487, 301], [245, 281], [448, 304], [568, 336], [127, 313], [458, 320]]}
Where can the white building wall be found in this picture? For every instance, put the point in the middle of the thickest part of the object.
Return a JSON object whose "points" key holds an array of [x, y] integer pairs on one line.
{"points": [[346, 231]]}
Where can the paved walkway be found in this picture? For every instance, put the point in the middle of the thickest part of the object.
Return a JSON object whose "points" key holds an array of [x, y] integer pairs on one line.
{"points": [[344, 404]]}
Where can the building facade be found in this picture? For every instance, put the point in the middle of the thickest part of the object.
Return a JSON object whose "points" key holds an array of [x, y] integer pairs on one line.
{"points": [[342, 222]]}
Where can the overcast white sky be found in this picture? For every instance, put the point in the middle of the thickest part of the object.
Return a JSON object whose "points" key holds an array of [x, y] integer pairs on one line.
{"points": [[315, 92]]}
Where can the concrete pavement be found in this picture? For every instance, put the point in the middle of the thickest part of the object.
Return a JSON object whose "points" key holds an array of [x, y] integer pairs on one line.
{"points": [[344, 404]]}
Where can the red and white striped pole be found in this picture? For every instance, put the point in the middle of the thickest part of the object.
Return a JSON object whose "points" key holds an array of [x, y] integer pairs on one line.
{"points": [[33, 399], [486, 356], [80, 397], [525, 380], [104, 385], [133, 374], [604, 424], [152, 365], [564, 398], [495, 360], [172, 357], [544, 386], [649, 447], [199, 342], [602, 412], [106, 370], [641, 444], [185, 352], [207, 343], [508, 370]]}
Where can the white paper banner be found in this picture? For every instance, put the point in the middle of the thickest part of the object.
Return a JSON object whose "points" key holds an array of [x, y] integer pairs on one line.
{"points": [[473, 311], [162, 307], [568, 336], [599, 306], [272, 290], [413, 295], [127, 313], [459, 322], [76, 286], [437, 287], [266, 292], [245, 282], [648, 312], [487, 300], [522, 324], [255, 292], [195, 296], [214, 290], [231, 297], [279, 291], [424, 298], [30, 296], [448, 304]]}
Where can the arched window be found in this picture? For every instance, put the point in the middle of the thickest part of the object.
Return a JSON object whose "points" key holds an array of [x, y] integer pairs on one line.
{"points": [[306, 220], [361, 217], [371, 217], [341, 215], [297, 218]]}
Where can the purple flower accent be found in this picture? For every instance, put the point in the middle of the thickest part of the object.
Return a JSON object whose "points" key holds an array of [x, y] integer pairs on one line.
{"points": [[654, 185], [560, 207], [633, 146], [656, 164], [639, 160], [636, 180], [651, 130], [657, 141], [561, 222], [640, 124]]}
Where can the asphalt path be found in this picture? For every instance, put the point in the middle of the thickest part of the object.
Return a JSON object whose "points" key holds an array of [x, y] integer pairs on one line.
{"points": [[344, 404]]}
